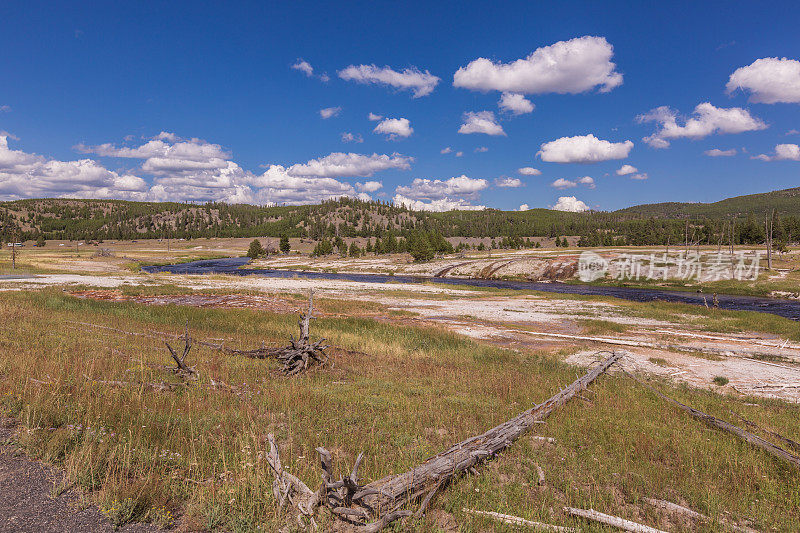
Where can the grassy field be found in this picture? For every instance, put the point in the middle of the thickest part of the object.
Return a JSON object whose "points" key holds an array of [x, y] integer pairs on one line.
{"points": [[194, 455]]}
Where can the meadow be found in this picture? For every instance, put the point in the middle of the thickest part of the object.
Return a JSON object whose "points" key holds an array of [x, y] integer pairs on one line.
{"points": [[190, 454]]}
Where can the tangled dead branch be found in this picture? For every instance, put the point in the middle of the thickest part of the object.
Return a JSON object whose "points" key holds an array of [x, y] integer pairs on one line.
{"points": [[182, 368], [373, 506], [301, 353]]}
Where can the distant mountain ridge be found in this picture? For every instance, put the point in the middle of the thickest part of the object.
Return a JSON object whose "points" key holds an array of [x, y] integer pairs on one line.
{"points": [[72, 219], [785, 202]]}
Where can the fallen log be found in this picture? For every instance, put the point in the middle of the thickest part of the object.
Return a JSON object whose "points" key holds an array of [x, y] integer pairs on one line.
{"points": [[517, 521], [685, 511], [383, 500], [787, 441], [726, 426], [610, 520]]}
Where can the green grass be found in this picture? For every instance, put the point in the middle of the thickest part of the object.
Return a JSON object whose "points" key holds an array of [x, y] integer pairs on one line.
{"points": [[400, 394]]}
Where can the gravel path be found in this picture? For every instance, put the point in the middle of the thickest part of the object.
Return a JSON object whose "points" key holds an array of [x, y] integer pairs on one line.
{"points": [[27, 503]]}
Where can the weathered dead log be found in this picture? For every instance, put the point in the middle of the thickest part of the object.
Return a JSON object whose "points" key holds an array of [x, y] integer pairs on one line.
{"points": [[726, 426], [385, 494], [685, 511], [517, 521], [301, 353], [615, 521], [383, 500], [787, 441]]}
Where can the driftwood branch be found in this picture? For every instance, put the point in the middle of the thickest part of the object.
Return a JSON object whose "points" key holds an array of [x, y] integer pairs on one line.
{"points": [[685, 511], [615, 521], [182, 368], [517, 521], [727, 426], [787, 441]]}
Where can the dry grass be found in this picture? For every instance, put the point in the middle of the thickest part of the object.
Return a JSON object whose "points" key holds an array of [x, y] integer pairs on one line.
{"points": [[398, 393]]}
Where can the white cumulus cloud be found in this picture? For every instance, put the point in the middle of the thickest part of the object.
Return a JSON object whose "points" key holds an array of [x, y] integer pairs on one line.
{"points": [[769, 80], [624, 170], [394, 127], [562, 183], [426, 189], [783, 152], [507, 182], [329, 112], [569, 203], [529, 171], [583, 149], [369, 186], [523, 207], [588, 181], [716, 152], [706, 120], [373, 117], [339, 164], [481, 122], [444, 204], [419, 82], [515, 103], [573, 66], [304, 67], [348, 137]]}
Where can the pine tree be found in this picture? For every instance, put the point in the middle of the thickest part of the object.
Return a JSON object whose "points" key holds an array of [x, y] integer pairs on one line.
{"points": [[256, 250], [284, 245]]}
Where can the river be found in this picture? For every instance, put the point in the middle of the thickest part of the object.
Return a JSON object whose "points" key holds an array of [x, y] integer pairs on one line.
{"points": [[777, 306]]}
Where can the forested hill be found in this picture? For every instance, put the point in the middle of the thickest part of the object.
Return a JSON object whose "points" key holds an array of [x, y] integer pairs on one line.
{"points": [[741, 217], [785, 202]]}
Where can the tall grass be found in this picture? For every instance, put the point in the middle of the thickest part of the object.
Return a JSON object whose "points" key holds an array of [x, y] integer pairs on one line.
{"points": [[398, 393]]}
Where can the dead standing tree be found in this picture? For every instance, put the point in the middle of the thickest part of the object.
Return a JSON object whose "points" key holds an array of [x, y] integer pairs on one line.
{"points": [[302, 353], [375, 505]]}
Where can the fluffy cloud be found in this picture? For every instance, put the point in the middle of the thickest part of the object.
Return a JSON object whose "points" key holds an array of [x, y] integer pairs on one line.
{"points": [[481, 149], [369, 186], [459, 154], [515, 103], [583, 149], [329, 112], [373, 117], [348, 137], [425, 189], [340, 164], [506, 182], [481, 122], [569, 203], [573, 66], [624, 170], [199, 171], [394, 127], [707, 120], [445, 204], [783, 152], [769, 80], [523, 207], [529, 171], [24, 175], [445, 150], [421, 83], [716, 152], [562, 183], [304, 67]]}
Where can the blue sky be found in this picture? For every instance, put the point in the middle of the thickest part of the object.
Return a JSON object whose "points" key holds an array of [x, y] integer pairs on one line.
{"points": [[87, 89]]}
